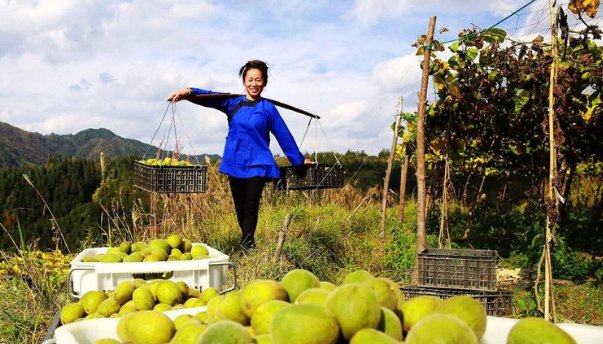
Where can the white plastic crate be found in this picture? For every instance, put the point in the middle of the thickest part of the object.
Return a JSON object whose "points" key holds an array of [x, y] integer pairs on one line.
{"points": [[88, 331], [199, 274]]}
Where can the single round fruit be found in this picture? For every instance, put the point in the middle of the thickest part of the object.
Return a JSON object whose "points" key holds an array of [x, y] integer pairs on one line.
{"points": [[390, 324], [123, 292], [143, 298], [190, 333], [169, 292], [440, 329], [416, 308], [71, 312], [92, 299], [257, 292], [468, 310], [108, 307], [355, 306], [328, 285], [149, 327], [225, 332], [538, 331], [372, 336], [262, 318], [304, 324], [230, 309], [386, 294], [316, 296], [174, 240], [199, 250], [298, 280], [357, 277]]}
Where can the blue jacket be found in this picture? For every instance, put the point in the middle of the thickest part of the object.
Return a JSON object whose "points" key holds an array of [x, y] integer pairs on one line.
{"points": [[246, 152]]}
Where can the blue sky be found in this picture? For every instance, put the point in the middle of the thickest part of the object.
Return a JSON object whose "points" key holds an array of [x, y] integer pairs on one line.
{"points": [[69, 65]]}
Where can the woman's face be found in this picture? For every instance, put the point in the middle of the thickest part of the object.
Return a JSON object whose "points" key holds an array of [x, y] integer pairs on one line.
{"points": [[254, 83]]}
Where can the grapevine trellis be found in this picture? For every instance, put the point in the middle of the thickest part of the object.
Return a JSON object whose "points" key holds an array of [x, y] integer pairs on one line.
{"points": [[505, 106]]}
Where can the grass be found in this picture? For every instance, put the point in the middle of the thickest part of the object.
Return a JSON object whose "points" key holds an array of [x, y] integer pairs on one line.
{"points": [[329, 234]]}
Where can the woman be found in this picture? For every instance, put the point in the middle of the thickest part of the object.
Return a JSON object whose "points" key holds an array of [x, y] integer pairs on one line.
{"points": [[247, 159]]}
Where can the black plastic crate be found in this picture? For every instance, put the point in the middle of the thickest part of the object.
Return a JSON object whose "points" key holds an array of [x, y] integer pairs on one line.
{"points": [[170, 179], [315, 176], [495, 302], [458, 268]]}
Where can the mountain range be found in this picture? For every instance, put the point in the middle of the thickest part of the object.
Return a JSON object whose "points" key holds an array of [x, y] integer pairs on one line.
{"points": [[19, 147]]}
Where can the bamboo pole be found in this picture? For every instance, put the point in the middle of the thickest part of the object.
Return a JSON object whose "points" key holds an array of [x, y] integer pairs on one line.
{"points": [[550, 223], [421, 192], [403, 178], [388, 172]]}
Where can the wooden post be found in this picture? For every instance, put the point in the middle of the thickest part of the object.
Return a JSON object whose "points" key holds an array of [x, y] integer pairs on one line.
{"points": [[421, 191], [403, 178], [550, 199], [281, 236], [388, 172]]}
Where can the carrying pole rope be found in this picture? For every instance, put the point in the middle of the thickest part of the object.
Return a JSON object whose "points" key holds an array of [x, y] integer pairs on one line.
{"points": [[157, 130]]}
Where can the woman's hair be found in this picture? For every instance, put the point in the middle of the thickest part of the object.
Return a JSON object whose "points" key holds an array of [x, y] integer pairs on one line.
{"points": [[261, 65]]}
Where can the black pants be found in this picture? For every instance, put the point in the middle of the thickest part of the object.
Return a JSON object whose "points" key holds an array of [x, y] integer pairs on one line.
{"points": [[246, 193]]}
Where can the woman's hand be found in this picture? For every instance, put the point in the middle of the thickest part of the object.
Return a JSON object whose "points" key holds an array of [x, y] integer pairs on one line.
{"points": [[179, 95], [308, 162]]}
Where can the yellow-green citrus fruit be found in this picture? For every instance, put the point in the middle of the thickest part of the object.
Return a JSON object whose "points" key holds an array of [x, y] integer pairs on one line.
{"points": [[384, 291], [186, 246], [143, 298], [116, 251], [209, 293], [316, 296], [202, 316], [174, 240], [390, 324], [149, 327], [263, 339], [262, 317], [230, 309], [107, 341], [139, 282], [169, 292], [468, 310], [176, 253], [538, 331], [327, 285], [108, 307], [372, 336], [440, 329], [121, 328], [183, 287], [160, 243], [298, 324], [160, 253], [89, 259], [95, 316], [71, 312], [92, 299], [125, 247], [192, 292], [298, 280], [152, 258], [134, 257], [199, 250], [190, 333], [161, 307], [186, 256], [259, 291], [225, 332], [184, 319], [357, 277], [109, 258], [212, 308], [125, 309], [355, 307], [123, 292], [416, 308], [138, 246]]}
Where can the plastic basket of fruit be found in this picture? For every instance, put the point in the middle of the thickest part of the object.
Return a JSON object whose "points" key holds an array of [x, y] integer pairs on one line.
{"points": [[495, 302], [170, 176], [91, 331], [458, 268], [309, 177], [103, 268]]}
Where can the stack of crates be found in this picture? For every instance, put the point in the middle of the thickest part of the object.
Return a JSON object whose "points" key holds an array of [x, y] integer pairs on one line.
{"points": [[450, 272]]}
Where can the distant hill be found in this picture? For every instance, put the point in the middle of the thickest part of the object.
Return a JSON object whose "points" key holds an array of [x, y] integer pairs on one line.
{"points": [[19, 147]]}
